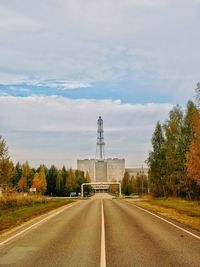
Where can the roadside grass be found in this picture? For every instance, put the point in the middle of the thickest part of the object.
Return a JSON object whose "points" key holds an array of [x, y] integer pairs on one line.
{"points": [[15, 210], [180, 210]]}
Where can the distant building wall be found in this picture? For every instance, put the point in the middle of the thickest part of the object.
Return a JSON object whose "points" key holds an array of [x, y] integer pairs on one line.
{"points": [[87, 165], [116, 169], [103, 170]]}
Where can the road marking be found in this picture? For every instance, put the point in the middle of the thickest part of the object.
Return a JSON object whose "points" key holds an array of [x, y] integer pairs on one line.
{"points": [[157, 216], [103, 243], [37, 224]]}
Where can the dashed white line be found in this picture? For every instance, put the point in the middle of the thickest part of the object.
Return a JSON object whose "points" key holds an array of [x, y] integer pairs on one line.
{"points": [[37, 224], [103, 245], [157, 216]]}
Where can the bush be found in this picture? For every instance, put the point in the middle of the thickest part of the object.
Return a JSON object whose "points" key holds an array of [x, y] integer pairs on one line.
{"points": [[19, 200]]}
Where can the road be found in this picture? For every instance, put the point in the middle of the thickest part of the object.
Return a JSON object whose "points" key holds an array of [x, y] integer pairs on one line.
{"points": [[73, 238]]}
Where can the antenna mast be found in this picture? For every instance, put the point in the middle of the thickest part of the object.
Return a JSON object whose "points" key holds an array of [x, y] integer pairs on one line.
{"points": [[100, 140]]}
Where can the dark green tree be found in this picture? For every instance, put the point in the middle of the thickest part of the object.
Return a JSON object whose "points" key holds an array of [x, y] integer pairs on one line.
{"points": [[17, 174], [51, 180], [157, 163], [126, 184]]}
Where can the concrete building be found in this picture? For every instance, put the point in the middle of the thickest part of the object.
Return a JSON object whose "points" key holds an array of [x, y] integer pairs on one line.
{"points": [[87, 165], [103, 170], [116, 169]]}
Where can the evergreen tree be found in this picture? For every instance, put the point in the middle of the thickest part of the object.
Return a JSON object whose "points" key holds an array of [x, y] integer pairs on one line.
{"points": [[125, 184], [17, 174], [51, 180], [157, 163]]}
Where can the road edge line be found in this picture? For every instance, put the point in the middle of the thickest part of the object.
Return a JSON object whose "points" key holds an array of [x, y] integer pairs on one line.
{"points": [[37, 223], [165, 220], [103, 243]]}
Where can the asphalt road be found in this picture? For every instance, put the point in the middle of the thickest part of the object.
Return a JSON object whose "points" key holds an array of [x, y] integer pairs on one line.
{"points": [[73, 238]]}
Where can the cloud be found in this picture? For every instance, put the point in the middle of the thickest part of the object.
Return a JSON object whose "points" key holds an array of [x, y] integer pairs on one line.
{"points": [[146, 42], [60, 130], [16, 80]]}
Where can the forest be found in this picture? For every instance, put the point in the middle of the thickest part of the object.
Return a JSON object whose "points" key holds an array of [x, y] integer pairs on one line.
{"points": [[174, 161]]}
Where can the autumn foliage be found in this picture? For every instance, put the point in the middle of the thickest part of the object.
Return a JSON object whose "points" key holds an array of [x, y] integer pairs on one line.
{"points": [[193, 155]]}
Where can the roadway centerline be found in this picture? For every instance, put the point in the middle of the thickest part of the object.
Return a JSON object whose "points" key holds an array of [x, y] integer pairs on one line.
{"points": [[103, 243], [165, 220], [37, 223]]}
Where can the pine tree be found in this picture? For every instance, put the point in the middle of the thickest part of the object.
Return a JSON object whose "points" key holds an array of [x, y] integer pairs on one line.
{"points": [[51, 180]]}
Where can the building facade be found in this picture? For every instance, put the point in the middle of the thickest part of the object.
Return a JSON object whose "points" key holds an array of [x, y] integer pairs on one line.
{"points": [[106, 170]]}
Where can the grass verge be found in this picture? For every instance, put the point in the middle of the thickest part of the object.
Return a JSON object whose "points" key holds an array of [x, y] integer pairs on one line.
{"points": [[183, 211], [12, 215]]}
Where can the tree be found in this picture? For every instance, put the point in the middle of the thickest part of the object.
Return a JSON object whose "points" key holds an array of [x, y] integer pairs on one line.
{"points": [[28, 174], [88, 188], [6, 171], [157, 163], [36, 182], [17, 174], [193, 155], [39, 180], [70, 184], [173, 133], [42, 179], [3, 149], [125, 184], [60, 183], [186, 185], [141, 183], [51, 180], [22, 184], [6, 165]]}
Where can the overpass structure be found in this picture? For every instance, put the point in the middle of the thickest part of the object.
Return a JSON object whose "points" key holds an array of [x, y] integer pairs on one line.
{"points": [[101, 186]]}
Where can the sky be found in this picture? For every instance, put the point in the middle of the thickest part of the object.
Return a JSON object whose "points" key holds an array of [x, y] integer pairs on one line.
{"points": [[64, 63]]}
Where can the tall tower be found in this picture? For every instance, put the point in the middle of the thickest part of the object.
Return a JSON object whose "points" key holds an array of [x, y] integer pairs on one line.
{"points": [[100, 153]]}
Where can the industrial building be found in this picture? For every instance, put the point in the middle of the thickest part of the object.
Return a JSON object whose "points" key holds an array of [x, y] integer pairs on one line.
{"points": [[101, 169]]}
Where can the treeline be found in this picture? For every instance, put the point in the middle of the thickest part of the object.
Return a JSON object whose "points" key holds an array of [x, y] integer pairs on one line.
{"points": [[174, 162], [137, 184], [43, 180]]}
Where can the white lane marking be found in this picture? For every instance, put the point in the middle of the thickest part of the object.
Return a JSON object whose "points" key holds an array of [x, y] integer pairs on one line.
{"points": [[37, 223], [103, 245], [157, 216]]}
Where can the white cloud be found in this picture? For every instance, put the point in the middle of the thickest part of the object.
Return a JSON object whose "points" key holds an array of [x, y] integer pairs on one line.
{"points": [[14, 79], [153, 42], [59, 130]]}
